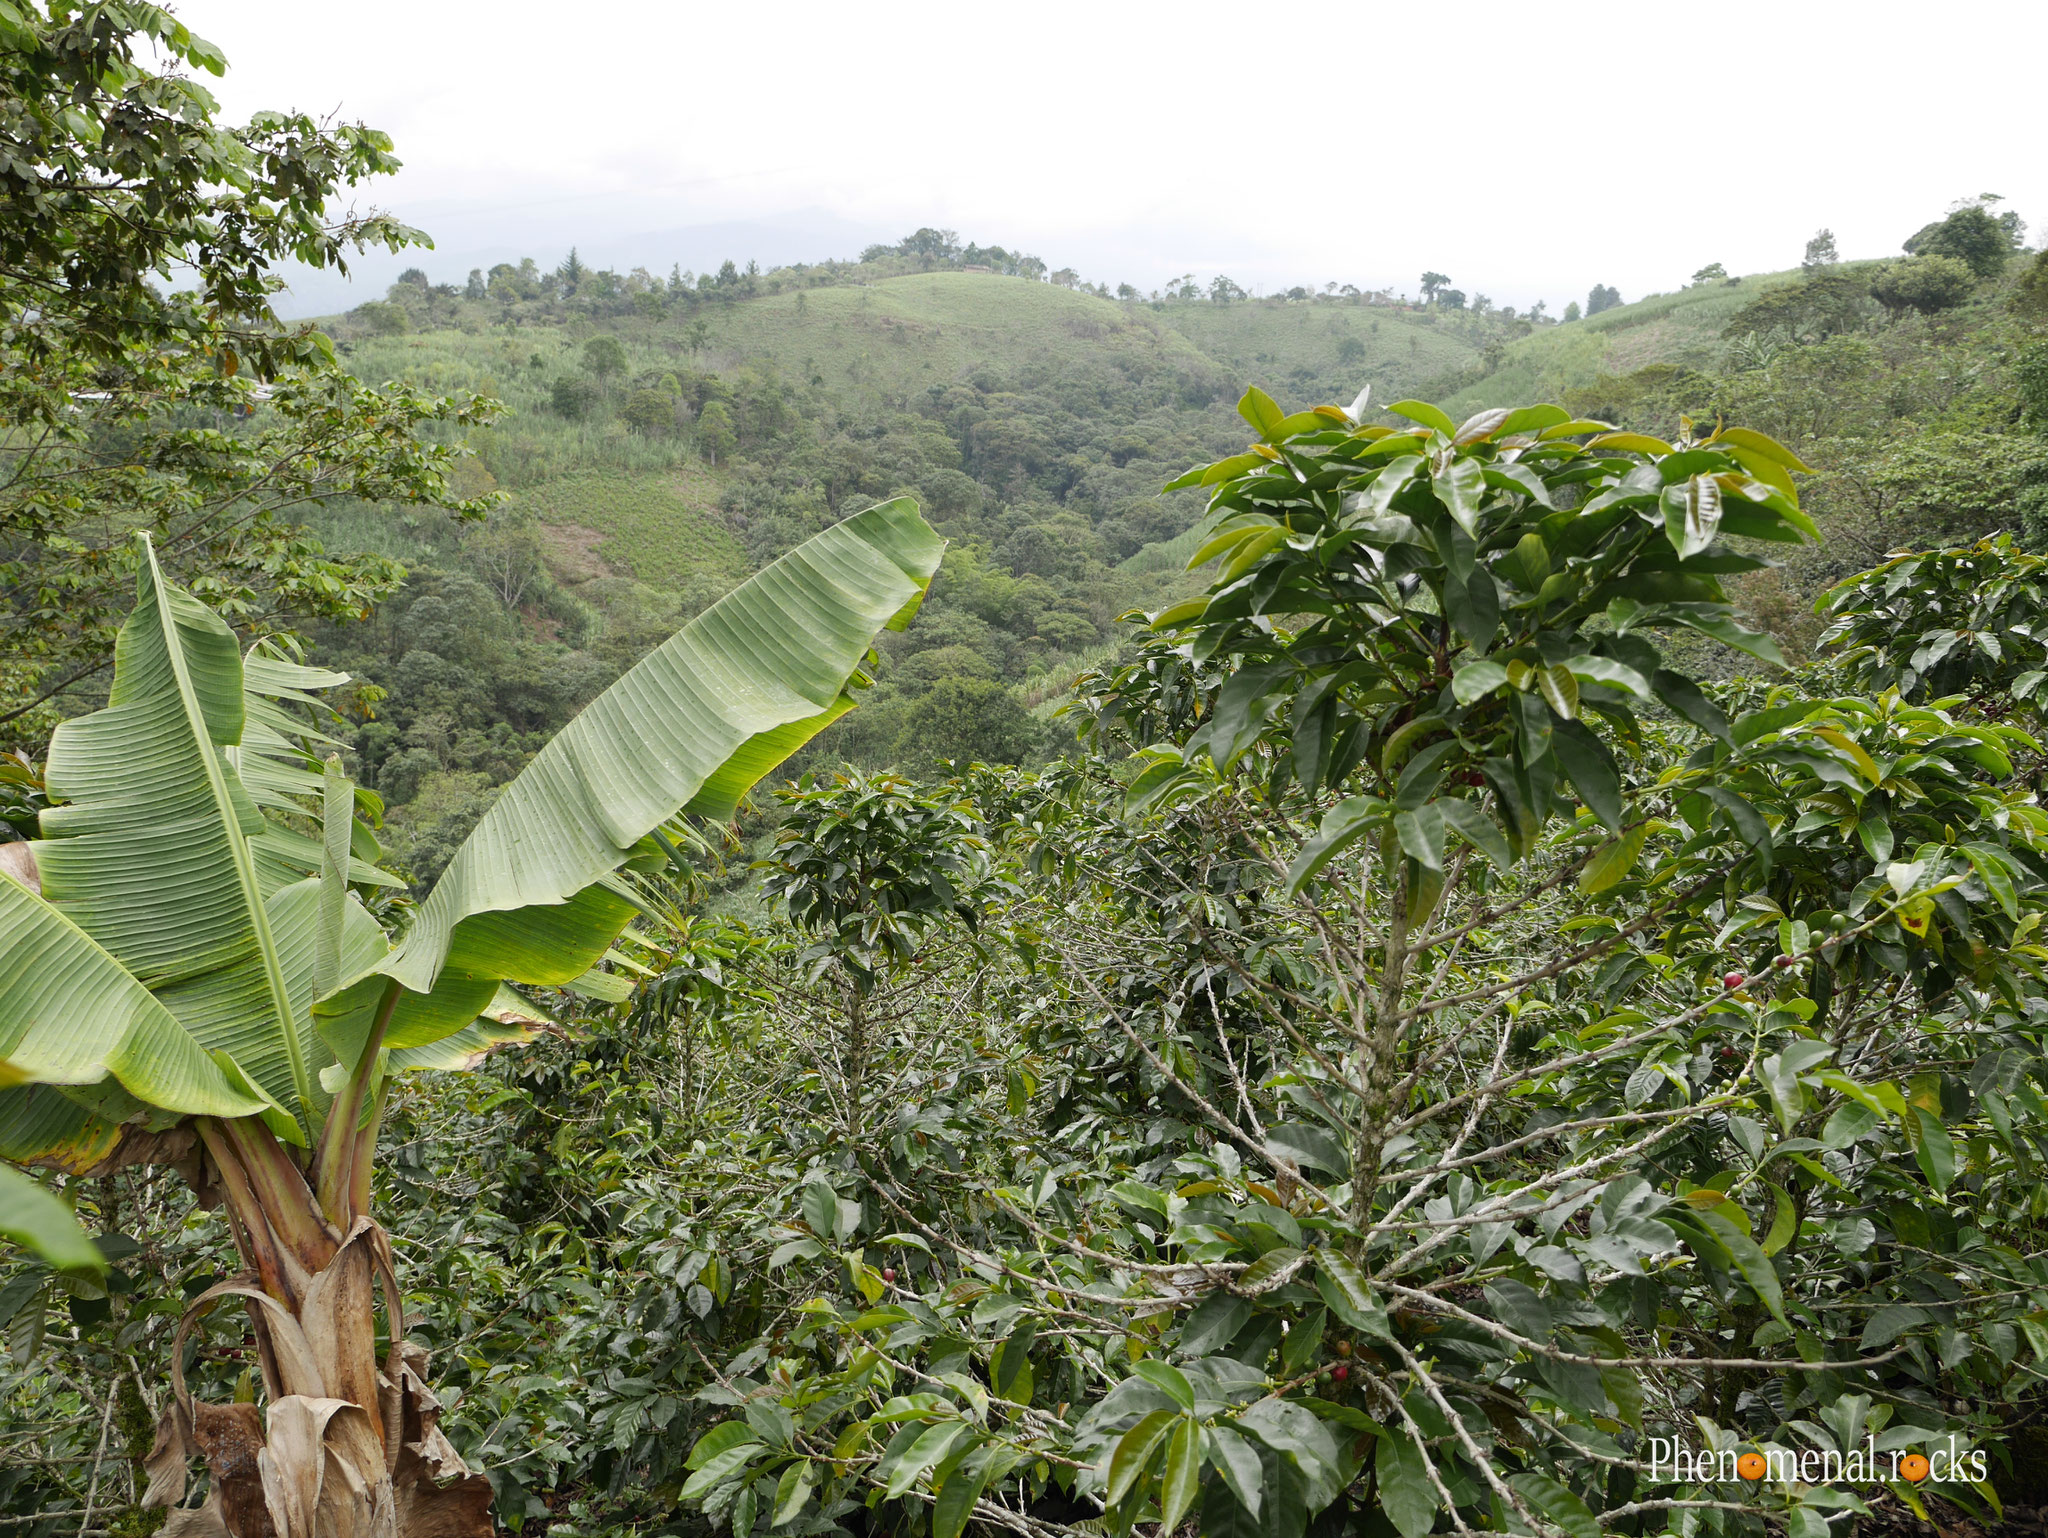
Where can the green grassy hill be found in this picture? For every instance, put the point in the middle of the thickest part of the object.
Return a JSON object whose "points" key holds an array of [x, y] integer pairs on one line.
{"points": [[1077, 371], [1682, 328], [1318, 353], [905, 335]]}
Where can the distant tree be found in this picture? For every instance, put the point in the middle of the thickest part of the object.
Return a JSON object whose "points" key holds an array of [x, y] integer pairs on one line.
{"points": [[965, 720], [1452, 298], [508, 284], [699, 333], [1820, 251], [1822, 302], [930, 247], [1030, 267], [649, 413], [1571, 312], [1481, 305], [1928, 284], [572, 271], [1713, 272], [1432, 284], [1601, 298], [1125, 291], [2030, 373], [2030, 298], [728, 274], [715, 435], [384, 317], [1537, 311], [1350, 350], [1066, 277], [416, 277], [475, 288], [603, 357], [1971, 235], [572, 397], [1223, 291]]}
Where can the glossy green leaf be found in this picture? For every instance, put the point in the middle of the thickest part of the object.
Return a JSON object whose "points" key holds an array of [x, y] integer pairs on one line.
{"points": [[1460, 486], [1684, 699], [1613, 860], [1349, 1296], [1592, 770], [720, 1467], [1181, 1478], [1477, 829], [1784, 1222], [792, 1492], [1406, 1495], [1342, 826], [924, 1451], [1934, 1150], [1476, 680], [958, 1492], [1560, 690], [1760, 443], [1309, 1146], [1258, 408], [1750, 1260], [1692, 515], [1134, 1452], [1421, 833], [36, 1220], [1168, 1379], [1634, 443], [1429, 416], [1238, 1462], [1553, 1500]]}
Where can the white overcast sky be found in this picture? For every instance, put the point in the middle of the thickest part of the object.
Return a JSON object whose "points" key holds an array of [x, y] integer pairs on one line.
{"points": [[1528, 151]]}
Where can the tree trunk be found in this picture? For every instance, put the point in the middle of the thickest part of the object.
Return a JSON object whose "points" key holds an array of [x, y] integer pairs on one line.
{"points": [[349, 1447]]}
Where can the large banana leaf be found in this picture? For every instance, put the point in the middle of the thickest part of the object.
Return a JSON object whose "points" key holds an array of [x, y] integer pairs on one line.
{"points": [[171, 951], [171, 959], [149, 852], [691, 727], [73, 1015]]}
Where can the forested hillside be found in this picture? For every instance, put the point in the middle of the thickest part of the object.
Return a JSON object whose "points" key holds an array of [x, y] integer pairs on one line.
{"points": [[663, 437]]}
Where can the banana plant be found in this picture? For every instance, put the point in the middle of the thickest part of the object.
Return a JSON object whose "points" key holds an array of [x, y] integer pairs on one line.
{"points": [[188, 975]]}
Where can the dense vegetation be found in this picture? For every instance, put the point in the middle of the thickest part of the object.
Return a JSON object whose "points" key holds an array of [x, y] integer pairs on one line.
{"points": [[1526, 950]]}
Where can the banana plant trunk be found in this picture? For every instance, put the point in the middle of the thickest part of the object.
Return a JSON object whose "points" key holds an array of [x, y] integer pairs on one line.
{"points": [[351, 1446]]}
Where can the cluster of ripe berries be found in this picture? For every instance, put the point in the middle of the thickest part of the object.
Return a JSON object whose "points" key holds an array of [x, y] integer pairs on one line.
{"points": [[1339, 1372], [1734, 980]]}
